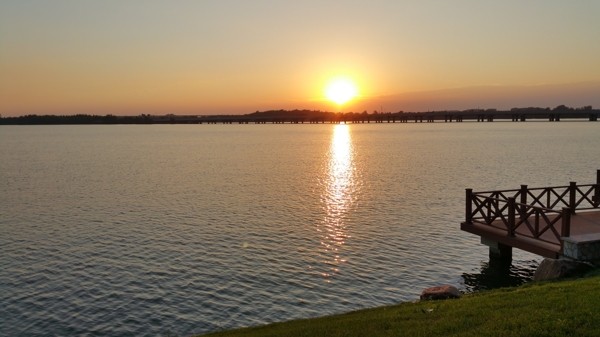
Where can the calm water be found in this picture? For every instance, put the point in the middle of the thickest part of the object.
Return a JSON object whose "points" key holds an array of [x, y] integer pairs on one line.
{"points": [[133, 230]]}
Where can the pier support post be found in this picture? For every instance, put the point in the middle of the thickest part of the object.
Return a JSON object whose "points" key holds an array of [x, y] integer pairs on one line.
{"points": [[497, 249]]}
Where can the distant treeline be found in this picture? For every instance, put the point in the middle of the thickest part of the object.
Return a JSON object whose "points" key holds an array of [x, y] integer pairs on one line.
{"points": [[560, 108], [306, 112], [171, 118], [75, 119]]}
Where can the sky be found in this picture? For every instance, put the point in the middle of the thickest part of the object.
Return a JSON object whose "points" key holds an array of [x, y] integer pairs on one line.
{"points": [[235, 57]]}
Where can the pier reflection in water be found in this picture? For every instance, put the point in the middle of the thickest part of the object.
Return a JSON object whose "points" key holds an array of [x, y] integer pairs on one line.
{"points": [[340, 190], [497, 273]]}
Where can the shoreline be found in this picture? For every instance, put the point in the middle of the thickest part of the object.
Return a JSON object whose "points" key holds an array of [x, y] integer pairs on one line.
{"points": [[549, 308]]}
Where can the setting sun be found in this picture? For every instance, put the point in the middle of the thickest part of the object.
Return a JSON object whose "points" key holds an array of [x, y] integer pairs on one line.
{"points": [[341, 90]]}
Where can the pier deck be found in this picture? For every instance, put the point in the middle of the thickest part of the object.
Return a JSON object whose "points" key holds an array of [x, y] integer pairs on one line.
{"points": [[537, 220], [583, 223]]}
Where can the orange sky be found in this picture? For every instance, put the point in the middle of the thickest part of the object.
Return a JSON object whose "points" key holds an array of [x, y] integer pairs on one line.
{"points": [[200, 57]]}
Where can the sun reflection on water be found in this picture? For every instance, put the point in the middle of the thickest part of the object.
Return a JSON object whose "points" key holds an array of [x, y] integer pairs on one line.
{"points": [[339, 193]]}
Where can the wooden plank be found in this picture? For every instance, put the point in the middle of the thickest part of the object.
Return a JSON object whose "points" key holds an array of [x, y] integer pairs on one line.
{"points": [[524, 243]]}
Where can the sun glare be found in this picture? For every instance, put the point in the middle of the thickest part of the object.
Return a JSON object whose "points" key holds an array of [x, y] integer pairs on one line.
{"points": [[341, 90]]}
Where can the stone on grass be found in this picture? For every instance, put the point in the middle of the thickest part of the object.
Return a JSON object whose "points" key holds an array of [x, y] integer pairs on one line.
{"points": [[551, 269], [440, 293]]}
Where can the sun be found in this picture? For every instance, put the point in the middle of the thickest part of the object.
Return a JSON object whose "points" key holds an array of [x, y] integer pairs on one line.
{"points": [[341, 90]]}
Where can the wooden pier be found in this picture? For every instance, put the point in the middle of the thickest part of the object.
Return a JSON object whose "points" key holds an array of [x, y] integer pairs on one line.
{"points": [[538, 220], [399, 117]]}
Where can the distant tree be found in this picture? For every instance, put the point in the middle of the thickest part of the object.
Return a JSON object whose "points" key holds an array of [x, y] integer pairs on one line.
{"points": [[561, 108]]}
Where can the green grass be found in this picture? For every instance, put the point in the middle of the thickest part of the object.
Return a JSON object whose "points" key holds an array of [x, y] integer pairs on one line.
{"points": [[564, 308]]}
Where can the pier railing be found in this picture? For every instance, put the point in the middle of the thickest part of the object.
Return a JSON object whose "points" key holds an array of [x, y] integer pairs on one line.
{"points": [[539, 213]]}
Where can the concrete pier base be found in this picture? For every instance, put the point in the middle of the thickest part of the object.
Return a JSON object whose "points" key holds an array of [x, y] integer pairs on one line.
{"points": [[584, 247], [498, 250]]}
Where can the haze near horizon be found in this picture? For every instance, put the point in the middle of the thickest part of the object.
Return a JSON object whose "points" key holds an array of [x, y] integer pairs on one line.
{"points": [[236, 57]]}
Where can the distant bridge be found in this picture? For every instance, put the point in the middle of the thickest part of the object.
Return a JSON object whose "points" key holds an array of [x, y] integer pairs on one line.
{"points": [[414, 117]]}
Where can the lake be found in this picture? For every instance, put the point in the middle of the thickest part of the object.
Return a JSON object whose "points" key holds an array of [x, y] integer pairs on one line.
{"points": [[133, 230]]}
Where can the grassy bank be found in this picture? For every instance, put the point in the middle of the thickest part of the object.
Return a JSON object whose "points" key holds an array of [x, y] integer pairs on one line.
{"points": [[565, 308]]}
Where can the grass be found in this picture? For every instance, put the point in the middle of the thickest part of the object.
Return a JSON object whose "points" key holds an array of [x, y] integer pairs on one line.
{"points": [[564, 308]]}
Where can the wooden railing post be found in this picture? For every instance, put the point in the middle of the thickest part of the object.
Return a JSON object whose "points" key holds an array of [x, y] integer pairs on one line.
{"points": [[523, 198], [468, 204], [565, 231], [572, 195], [511, 216], [597, 197]]}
